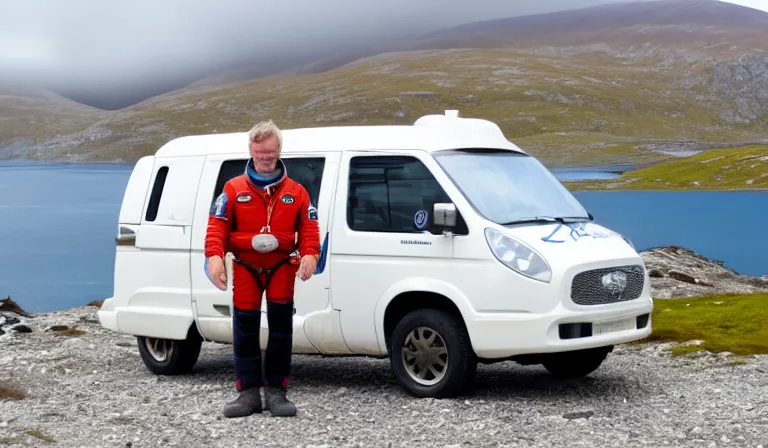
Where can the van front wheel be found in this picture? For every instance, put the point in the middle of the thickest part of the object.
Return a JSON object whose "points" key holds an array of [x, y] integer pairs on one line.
{"points": [[576, 364], [169, 357], [431, 355]]}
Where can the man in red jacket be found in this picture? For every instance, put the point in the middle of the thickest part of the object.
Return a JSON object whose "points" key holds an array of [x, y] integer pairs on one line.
{"points": [[267, 221]]}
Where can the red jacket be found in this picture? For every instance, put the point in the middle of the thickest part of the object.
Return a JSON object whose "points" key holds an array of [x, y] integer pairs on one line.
{"points": [[240, 212]]}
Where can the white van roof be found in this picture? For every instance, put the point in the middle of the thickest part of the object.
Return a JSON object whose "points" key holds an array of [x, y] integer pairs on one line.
{"points": [[429, 133]]}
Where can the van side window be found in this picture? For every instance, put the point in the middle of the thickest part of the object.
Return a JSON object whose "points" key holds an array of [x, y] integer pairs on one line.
{"points": [[308, 171], [229, 169], [391, 194], [157, 193]]}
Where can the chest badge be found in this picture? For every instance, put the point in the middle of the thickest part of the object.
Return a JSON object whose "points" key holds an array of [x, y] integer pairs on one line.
{"points": [[287, 199], [245, 197]]}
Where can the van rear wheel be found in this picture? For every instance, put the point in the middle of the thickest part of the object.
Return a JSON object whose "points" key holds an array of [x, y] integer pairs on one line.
{"points": [[431, 355], [170, 357]]}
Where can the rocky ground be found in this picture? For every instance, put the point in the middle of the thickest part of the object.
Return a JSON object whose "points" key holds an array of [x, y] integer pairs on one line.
{"points": [[65, 381], [677, 272]]}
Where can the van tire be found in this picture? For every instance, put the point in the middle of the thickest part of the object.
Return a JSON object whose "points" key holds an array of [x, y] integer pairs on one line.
{"points": [[576, 364], [182, 358], [461, 366]]}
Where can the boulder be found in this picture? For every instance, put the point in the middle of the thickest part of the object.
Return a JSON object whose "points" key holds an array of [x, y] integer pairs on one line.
{"points": [[8, 304]]}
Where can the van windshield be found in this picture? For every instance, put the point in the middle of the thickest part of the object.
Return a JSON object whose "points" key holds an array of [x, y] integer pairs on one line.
{"points": [[508, 187]]}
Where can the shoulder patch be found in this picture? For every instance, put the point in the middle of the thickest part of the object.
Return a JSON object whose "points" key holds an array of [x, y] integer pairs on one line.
{"points": [[219, 207], [312, 212], [288, 199]]}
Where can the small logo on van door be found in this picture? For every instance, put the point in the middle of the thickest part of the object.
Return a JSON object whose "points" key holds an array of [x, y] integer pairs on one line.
{"points": [[245, 197], [420, 219], [287, 199]]}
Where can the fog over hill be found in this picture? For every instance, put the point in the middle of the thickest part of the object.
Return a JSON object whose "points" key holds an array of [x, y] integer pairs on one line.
{"points": [[112, 55], [601, 84]]}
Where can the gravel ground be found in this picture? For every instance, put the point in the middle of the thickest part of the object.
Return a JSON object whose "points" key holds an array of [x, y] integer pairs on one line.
{"points": [[93, 391]]}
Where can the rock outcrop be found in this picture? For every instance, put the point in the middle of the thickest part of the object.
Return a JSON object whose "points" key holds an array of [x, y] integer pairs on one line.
{"points": [[9, 305], [677, 272], [745, 82]]}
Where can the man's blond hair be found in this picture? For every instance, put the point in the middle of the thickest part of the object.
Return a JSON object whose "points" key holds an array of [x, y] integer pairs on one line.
{"points": [[264, 130]]}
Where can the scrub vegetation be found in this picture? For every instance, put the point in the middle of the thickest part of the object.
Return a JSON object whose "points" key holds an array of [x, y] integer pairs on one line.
{"points": [[741, 168], [10, 392], [566, 107], [719, 323]]}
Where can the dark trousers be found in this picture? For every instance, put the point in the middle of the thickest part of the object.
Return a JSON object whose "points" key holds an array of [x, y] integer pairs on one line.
{"points": [[246, 326]]}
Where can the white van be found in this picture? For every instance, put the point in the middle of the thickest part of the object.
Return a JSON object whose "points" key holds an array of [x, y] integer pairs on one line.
{"points": [[444, 245]]}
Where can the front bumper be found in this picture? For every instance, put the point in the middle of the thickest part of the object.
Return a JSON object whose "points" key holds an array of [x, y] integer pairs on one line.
{"points": [[503, 335]]}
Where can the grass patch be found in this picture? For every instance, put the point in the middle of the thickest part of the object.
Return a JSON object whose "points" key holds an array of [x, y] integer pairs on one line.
{"points": [[725, 323], [39, 435], [741, 168], [10, 392], [74, 331], [96, 303]]}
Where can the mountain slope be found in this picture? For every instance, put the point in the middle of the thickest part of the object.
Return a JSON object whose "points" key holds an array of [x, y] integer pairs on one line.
{"points": [[720, 26], [617, 100], [32, 116], [553, 104]]}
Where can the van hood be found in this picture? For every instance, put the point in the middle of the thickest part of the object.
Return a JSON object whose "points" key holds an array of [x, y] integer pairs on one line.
{"points": [[574, 243]]}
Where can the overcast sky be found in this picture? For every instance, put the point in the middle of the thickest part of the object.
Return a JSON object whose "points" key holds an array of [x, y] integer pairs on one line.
{"points": [[100, 43]]}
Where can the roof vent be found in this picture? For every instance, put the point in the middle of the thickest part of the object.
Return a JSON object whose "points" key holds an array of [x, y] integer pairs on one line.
{"points": [[452, 113]]}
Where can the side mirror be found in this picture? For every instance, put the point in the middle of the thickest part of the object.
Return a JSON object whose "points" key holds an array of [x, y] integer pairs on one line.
{"points": [[444, 215]]}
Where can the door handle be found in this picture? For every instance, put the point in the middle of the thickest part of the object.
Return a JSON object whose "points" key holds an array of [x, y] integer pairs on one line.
{"points": [[126, 236]]}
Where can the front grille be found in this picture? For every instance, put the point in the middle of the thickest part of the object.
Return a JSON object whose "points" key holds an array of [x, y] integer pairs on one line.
{"points": [[608, 285]]}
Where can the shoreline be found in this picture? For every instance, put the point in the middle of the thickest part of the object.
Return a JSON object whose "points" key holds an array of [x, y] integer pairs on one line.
{"points": [[574, 186]]}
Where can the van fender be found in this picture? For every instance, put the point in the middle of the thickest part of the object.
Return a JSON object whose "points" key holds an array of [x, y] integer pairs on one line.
{"points": [[417, 284]]}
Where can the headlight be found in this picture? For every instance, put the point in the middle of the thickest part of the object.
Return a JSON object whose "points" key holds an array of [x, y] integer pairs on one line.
{"points": [[517, 256]]}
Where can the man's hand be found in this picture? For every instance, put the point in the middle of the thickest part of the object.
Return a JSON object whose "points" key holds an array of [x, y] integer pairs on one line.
{"points": [[217, 272], [307, 267]]}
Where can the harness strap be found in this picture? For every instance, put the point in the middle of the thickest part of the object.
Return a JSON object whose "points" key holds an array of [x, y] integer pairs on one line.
{"points": [[256, 272]]}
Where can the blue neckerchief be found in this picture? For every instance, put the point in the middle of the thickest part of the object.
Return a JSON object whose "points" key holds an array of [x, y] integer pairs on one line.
{"points": [[259, 180]]}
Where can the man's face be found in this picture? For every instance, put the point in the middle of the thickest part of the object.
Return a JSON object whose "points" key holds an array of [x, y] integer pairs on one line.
{"points": [[265, 154]]}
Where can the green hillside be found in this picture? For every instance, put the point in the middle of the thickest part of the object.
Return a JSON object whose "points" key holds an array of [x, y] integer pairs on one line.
{"points": [[723, 169], [590, 108]]}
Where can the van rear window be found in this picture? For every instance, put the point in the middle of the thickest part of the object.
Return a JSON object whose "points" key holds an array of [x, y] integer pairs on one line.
{"points": [[157, 193]]}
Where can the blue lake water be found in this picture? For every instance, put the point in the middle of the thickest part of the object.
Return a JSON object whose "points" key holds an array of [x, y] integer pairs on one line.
{"points": [[58, 224]]}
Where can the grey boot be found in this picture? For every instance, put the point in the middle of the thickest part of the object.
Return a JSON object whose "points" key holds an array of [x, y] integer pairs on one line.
{"points": [[277, 404], [249, 402]]}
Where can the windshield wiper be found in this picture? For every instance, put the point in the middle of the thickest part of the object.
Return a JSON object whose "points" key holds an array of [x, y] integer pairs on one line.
{"points": [[560, 219], [534, 219], [575, 218]]}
